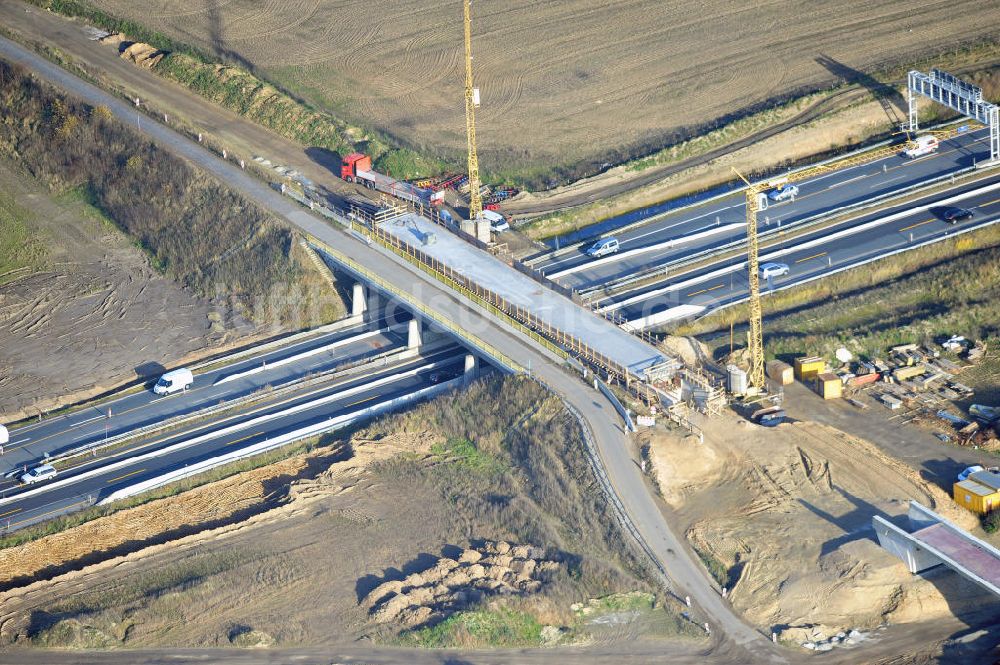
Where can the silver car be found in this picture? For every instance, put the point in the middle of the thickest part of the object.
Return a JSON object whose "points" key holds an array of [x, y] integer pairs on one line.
{"points": [[768, 270], [603, 247], [38, 474]]}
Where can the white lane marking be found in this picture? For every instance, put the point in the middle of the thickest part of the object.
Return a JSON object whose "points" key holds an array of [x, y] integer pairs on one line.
{"points": [[844, 182], [883, 182], [14, 443], [84, 422], [680, 223]]}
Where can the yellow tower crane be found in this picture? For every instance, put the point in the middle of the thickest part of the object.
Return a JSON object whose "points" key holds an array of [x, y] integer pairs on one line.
{"points": [[755, 193], [471, 102]]}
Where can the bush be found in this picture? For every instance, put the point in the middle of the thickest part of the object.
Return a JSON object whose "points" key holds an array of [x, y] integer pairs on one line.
{"points": [[202, 234], [991, 521]]}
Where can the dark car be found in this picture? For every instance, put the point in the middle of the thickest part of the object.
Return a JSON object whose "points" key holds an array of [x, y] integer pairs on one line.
{"points": [[956, 215]]}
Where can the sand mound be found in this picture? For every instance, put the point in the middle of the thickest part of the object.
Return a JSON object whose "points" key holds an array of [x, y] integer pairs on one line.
{"points": [[451, 584], [143, 55], [784, 518]]}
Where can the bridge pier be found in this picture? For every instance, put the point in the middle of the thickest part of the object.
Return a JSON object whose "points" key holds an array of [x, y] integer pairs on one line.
{"points": [[358, 303], [471, 367]]}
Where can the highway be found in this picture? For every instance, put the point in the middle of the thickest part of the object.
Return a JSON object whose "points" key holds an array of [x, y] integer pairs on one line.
{"points": [[413, 288], [674, 235], [811, 256], [30, 442], [100, 477]]}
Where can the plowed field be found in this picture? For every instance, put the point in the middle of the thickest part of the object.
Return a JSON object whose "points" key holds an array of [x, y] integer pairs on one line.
{"points": [[562, 82]]}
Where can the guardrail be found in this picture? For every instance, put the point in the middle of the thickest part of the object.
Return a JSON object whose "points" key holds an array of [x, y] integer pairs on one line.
{"points": [[803, 225], [169, 423], [723, 194], [329, 425], [608, 489]]}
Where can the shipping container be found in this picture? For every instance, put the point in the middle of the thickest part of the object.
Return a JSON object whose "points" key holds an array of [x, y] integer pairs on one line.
{"points": [[829, 385], [780, 372], [808, 368]]}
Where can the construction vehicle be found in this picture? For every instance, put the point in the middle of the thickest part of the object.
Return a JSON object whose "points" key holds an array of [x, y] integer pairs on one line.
{"points": [[357, 167]]}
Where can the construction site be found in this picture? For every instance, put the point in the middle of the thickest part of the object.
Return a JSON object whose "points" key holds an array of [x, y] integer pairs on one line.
{"points": [[691, 432]]}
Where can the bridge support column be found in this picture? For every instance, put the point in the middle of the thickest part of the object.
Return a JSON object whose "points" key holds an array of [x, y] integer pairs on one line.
{"points": [[358, 303], [413, 340], [471, 367]]}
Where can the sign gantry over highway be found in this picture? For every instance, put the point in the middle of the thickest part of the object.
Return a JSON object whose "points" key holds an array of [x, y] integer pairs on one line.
{"points": [[958, 95]]}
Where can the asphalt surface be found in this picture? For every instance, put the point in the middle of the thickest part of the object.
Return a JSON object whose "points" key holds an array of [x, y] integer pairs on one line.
{"points": [[734, 640], [340, 397], [30, 442], [813, 255], [721, 221]]}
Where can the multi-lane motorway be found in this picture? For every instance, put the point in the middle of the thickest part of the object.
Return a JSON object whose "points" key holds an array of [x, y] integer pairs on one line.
{"points": [[720, 221], [94, 480], [30, 442], [811, 255]]}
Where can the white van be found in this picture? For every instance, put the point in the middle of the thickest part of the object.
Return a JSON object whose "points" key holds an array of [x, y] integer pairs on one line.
{"points": [[603, 247], [498, 223], [924, 145], [174, 380]]}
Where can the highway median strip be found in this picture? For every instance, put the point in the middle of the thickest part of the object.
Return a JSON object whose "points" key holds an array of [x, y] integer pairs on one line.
{"points": [[215, 434]]}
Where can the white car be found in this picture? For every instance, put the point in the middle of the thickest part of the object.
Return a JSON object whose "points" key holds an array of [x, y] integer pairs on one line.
{"points": [[768, 270], [975, 468], [38, 474], [603, 247], [783, 192]]}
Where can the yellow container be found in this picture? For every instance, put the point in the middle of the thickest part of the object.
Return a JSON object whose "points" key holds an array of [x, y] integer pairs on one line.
{"points": [[829, 386], [809, 367], [976, 497], [904, 373]]}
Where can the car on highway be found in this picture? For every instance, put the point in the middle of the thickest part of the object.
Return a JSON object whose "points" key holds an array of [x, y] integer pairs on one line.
{"points": [[603, 247], [768, 270], [956, 215], [922, 145], [174, 380], [38, 474], [783, 192]]}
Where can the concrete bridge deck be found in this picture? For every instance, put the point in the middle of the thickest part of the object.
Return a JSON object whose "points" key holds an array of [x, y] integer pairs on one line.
{"points": [[626, 349], [932, 541]]}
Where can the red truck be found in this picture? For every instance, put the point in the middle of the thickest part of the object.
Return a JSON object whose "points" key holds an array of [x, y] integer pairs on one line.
{"points": [[357, 167]]}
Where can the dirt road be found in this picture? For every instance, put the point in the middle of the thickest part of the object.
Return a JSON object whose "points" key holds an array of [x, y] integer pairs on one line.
{"points": [[414, 287], [184, 108]]}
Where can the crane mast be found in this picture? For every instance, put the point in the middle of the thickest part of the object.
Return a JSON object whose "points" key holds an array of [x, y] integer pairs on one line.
{"points": [[471, 102]]}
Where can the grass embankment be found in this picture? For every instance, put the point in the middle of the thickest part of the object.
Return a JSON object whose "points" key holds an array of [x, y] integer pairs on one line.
{"points": [[248, 95], [21, 249], [513, 469], [196, 231], [951, 287], [279, 102], [66, 522], [960, 59]]}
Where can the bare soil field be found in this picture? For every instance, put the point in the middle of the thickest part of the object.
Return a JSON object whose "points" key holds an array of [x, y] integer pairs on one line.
{"points": [[563, 83], [400, 525], [88, 311], [812, 490]]}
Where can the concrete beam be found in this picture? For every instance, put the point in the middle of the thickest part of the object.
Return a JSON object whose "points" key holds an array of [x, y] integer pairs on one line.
{"points": [[900, 543]]}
